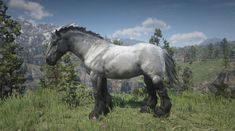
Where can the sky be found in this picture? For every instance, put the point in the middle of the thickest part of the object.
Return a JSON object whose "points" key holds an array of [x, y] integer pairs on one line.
{"points": [[183, 22]]}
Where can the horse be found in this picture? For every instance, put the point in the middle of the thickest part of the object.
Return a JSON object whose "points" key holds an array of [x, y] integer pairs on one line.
{"points": [[103, 59]]}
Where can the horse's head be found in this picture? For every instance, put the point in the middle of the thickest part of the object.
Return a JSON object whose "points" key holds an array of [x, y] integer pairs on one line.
{"points": [[56, 49]]}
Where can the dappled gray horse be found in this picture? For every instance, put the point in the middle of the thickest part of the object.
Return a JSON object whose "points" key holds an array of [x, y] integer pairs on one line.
{"points": [[104, 60]]}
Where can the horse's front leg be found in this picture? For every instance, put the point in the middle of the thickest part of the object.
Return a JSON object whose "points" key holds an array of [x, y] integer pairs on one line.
{"points": [[103, 101]]}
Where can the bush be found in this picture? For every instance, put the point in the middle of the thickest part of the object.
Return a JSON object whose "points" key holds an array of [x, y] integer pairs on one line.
{"points": [[187, 78], [76, 95], [139, 92]]}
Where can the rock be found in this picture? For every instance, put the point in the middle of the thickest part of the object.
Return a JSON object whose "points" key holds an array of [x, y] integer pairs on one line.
{"points": [[224, 84]]}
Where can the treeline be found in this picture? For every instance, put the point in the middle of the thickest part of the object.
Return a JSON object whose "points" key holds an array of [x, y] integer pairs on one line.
{"points": [[221, 50]]}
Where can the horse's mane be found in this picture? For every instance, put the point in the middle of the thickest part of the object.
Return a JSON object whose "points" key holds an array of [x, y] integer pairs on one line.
{"points": [[78, 28]]}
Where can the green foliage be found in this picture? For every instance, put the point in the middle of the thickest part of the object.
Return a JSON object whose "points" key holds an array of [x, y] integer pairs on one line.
{"points": [[211, 51], [139, 92], [59, 75], [166, 46], [187, 78], [155, 39], [64, 78], [11, 71], [221, 50], [117, 42], [226, 52], [203, 70], [190, 55], [51, 76], [43, 110], [77, 95]]}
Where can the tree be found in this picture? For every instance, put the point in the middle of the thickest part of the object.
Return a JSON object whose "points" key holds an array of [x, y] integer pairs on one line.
{"points": [[210, 48], [155, 39], [225, 51], [51, 76], [187, 78], [117, 42], [69, 74], [11, 71], [166, 45], [59, 75], [190, 55]]}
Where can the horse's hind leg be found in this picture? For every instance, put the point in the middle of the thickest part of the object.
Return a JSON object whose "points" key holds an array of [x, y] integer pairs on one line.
{"points": [[165, 105], [103, 101], [151, 101]]}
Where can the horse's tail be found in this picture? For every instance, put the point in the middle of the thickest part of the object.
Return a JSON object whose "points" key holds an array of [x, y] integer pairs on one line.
{"points": [[170, 68]]}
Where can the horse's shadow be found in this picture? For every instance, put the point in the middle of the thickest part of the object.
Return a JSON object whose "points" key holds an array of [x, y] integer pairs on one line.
{"points": [[121, 102]]}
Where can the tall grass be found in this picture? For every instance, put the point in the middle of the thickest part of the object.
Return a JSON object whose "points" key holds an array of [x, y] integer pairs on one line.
{"points": [[44, 110]]}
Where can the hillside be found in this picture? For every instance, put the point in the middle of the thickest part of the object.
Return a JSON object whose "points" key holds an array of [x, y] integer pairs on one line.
{"points": [[204, 71], [44, 110]]}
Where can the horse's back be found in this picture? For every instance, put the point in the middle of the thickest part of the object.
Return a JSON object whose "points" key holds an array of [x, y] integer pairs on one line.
{"points": [[122, 61], [133, 60]]}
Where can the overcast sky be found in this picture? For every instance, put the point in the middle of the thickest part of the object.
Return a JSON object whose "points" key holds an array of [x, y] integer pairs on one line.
{"points": [[183, 22]]}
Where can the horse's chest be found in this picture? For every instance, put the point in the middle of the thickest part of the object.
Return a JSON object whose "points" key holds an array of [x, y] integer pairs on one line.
{"points": [[95, 65]]}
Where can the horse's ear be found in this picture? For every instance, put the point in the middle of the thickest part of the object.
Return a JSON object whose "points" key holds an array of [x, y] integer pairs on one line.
{"points": [[57, 33]]}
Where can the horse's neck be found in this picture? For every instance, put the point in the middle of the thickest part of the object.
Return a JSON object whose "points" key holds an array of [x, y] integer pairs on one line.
{"points": [[82, 46], [96, 49]]}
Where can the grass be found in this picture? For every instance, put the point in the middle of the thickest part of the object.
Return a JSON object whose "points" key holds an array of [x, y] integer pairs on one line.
{"points": [[43, 110], [204, 70]]}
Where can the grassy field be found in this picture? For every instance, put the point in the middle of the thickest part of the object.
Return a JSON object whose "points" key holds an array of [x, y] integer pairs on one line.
{"points": [[43, 110], [204, 70]]}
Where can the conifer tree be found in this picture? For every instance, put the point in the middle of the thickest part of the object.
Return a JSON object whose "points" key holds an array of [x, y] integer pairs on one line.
{"points": [[155, 39], [226, 51], [11, 72]]}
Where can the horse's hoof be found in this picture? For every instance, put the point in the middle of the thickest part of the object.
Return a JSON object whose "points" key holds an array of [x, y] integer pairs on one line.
{"points": [[158, 112], [93, 115]]}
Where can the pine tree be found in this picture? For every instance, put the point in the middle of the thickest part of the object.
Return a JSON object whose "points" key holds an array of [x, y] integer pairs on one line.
{"points": [[51, 76], [166, 46], [226, 52], [59, 76], [187, 78], [210, 48], [117, 42], [155, 39], [190, 54], [11, 72]]}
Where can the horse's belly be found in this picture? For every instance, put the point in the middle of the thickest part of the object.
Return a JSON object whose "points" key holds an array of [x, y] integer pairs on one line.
{"points": [[122, 75], [122, 70]]}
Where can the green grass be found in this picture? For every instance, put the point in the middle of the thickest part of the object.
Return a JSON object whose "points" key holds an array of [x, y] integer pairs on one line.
{"points": [[43, 110], [204, 70]]}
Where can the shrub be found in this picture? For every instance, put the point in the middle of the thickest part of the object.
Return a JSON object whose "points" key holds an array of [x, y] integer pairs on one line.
{"points": [[76, 95]]}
